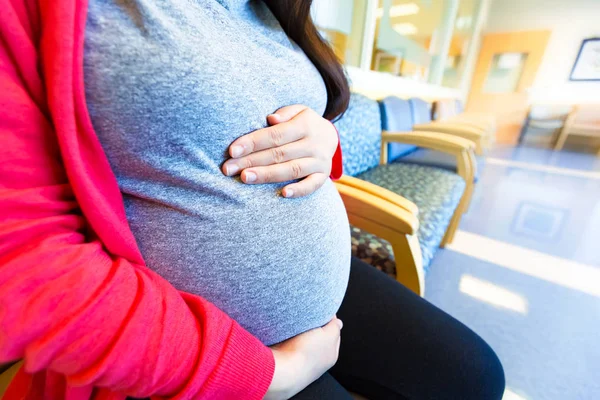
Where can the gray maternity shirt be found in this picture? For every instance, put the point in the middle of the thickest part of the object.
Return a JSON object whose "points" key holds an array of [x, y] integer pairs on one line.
{"points": [[169, 85]]}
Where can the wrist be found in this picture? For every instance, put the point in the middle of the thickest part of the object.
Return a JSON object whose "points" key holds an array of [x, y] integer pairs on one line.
{"points": [[282, 385]]}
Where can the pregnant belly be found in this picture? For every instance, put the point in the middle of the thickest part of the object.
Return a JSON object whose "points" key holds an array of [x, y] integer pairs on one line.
{"points": [[277, 266]]}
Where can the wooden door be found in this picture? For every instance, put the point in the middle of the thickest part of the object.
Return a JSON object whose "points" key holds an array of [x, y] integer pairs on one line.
{"points": [[507, 66]]}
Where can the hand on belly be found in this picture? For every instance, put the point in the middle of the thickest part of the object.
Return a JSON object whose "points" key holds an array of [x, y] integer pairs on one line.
{"points": [[298, 144]]}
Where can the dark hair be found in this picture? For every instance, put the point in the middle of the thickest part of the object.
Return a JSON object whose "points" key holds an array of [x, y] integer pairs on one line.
{"points": [[295, 19]]}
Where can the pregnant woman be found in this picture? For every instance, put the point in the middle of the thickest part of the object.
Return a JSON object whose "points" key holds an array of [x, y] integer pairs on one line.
{"points": [[169, 228]]}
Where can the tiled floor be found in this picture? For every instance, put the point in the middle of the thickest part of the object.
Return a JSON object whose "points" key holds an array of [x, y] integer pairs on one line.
{"points": [[524, 271]]}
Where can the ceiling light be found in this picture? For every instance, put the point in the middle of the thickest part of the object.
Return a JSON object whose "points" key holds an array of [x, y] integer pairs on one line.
{"points": [[405, 29], [400, 10]]}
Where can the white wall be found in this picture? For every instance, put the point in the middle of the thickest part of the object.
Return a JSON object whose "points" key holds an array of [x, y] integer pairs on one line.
{"points": [[378, 85], [571, 21]]}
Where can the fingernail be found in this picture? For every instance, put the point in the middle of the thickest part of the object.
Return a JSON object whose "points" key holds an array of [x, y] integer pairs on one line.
{"points": [[232, 169], [250, 177], [237, 151], [288, 193]]}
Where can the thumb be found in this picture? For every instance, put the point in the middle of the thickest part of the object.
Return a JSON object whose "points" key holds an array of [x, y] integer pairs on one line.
{"points": [[285, 114], [334, 326]]}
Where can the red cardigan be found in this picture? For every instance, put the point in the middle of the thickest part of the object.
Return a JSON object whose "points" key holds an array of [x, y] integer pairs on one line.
{"points": [[77, 302]]}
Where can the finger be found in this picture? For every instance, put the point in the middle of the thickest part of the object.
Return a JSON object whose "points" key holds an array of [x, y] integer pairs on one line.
{"points": [[306, 186], [285, 114], [295, 169], [266, 138], [275, 155]]}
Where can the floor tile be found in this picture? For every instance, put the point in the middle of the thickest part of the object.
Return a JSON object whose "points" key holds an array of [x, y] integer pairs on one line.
{"points": [[524, 271]]}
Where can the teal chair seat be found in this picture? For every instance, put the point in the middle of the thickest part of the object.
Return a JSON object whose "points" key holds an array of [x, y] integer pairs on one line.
{"points": [[435, 191]]}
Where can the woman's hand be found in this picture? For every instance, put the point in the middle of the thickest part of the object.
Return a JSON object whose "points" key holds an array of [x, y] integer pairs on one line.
{"points": [[301, 360], [298, 144]]}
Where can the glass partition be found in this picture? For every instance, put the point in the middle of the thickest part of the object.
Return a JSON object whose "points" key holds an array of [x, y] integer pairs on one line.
{"points": [[462, 35], [342, 24], [398, 47], [407, 31], [424, 40]]}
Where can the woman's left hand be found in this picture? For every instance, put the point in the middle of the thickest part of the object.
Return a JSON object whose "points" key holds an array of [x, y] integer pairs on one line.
{"points": [[298, 144]]}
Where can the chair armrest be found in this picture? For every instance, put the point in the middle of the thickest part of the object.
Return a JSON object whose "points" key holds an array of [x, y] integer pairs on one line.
{"points": [[461, 148], [478, 136], [478, 125], [377, 210], [467, 132], [380, 192], [390, 222], [432, 140]]}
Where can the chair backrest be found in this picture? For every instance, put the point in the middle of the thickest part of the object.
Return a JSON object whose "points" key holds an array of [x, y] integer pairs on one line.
{"points": [[443, 109], [459, 106], [360, 135], [421, 111], [396, 116]]}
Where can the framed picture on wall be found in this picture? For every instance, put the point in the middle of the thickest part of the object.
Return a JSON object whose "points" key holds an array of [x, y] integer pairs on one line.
{"points": [[587, 64]]}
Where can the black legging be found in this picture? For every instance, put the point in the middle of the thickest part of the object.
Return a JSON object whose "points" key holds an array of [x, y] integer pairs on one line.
{"points": [[395, 345]]}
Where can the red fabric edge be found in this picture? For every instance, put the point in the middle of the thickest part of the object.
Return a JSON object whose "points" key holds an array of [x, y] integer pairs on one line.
{"points": [[337, 162]]}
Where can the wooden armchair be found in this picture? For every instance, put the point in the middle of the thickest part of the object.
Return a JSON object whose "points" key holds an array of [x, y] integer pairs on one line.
{"points": [[584, 120], [431, 196], [390, 217]]}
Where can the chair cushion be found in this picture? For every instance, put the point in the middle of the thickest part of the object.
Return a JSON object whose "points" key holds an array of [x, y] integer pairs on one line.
{"points": [[373, 250], [360, 135], [421, 111], [435, 191], [437, 159]]}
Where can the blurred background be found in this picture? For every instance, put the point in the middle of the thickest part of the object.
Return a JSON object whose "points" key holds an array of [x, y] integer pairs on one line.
{"points": [[501, 57], [523, 267]]}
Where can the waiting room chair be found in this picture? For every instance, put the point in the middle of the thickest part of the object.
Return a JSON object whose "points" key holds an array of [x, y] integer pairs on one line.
{"points": [[435, 197], [397, 115], [451, 110], [423, 122], [546, 117], [584, 120]]}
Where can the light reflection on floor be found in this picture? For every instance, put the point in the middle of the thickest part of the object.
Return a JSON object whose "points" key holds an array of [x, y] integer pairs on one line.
{"points": [[492, 294], [524, 272]]}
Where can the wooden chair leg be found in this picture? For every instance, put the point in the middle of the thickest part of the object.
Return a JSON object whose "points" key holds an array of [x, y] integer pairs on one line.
{"points": [[383, 158], [523, 130], [409, 263], [562, 137], [566, 129], [466, 171], [471, 187], [452, 227]]}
